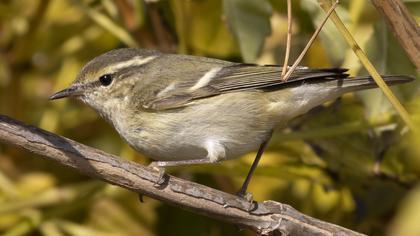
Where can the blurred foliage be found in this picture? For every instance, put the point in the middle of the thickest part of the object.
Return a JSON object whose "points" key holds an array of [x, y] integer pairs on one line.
{"points": [[350, 162]]}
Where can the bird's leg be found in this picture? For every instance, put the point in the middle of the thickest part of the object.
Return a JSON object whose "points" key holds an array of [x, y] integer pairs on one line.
{"points": [[242, 192]]}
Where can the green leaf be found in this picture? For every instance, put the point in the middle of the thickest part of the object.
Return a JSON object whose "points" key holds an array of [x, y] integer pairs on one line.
{"points": [[249, 21]]}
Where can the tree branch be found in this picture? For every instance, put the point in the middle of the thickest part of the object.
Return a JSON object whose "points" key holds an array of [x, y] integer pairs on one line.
{"points": [[268, 217], [403, 26]]}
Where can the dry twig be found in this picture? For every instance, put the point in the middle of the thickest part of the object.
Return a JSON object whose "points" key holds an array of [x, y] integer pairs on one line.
{"points": [[289, 38], [308, 45]]}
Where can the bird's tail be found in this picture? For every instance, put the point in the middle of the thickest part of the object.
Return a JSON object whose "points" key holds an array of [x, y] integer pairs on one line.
{"points": [[366, 82], [301, 97]]}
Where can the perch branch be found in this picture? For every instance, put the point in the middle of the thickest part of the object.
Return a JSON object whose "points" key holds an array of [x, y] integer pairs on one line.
{"points": [[268, 217], [403, 26]]}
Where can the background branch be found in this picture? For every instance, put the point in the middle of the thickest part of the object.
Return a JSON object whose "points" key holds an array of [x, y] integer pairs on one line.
{"points": [[403, 26], [267, 217]]}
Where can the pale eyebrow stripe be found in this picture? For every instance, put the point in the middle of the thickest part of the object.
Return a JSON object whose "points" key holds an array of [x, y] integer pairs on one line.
{"points": [[135, 61], [205, 79]]}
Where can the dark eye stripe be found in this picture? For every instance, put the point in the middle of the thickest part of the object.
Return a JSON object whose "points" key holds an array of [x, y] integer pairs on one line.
{"points": [[92, 84], [118, 75], [96, 83]]}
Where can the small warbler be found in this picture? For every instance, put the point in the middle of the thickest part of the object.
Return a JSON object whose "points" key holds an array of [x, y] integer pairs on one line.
{"points": [[180, 109]]}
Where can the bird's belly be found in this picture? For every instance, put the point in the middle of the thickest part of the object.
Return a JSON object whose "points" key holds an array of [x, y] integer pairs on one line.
{"points": [[219, 129], [189, 145]]}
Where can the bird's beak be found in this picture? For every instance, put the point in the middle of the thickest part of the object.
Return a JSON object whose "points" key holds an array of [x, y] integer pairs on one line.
{"points": [[72, 91]]}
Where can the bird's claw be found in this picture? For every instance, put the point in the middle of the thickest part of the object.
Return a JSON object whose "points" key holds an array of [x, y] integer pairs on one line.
{"points": [[141, 199], [249, 199], [160, 180]]}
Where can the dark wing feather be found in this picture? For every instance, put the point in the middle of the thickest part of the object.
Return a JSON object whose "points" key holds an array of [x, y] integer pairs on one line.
{"points": [[244, 77], [239, 77]]}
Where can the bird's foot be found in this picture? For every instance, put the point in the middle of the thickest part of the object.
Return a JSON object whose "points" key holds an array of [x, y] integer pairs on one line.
{"points": [[249, 199], [161, 179]]}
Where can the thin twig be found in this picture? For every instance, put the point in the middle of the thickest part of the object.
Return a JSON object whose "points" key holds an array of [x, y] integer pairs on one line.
{"points": [[309, 44], [289, 38], [266, 217]]}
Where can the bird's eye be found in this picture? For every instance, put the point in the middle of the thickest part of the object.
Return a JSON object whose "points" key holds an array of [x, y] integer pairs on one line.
{"points": [[105, 79]]}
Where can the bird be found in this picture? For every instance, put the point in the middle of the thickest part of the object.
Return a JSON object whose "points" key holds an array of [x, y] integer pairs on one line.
{"points": [[184, 109]]}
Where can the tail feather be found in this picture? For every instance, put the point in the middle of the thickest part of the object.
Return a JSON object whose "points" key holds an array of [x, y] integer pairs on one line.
{"points": [[367, 82], [302, 97]]}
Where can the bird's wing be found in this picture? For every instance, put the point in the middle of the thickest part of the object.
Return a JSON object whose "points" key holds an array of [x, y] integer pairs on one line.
{"points": [[233, 78]]}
